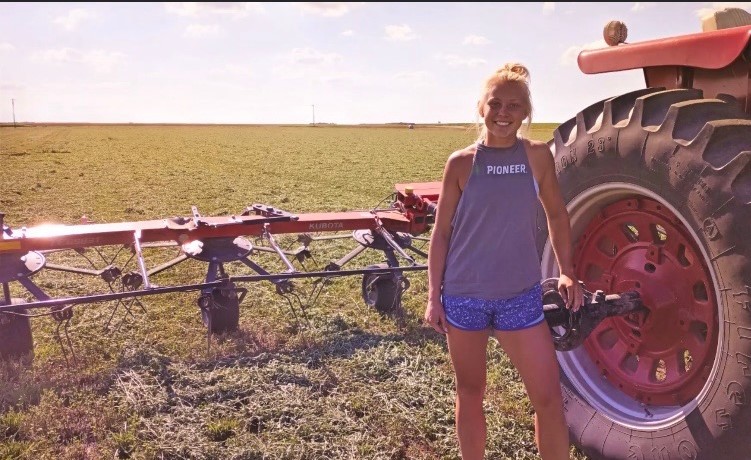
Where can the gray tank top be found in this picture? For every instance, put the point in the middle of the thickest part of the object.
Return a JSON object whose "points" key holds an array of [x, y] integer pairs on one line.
{"points": [[492, 252]]}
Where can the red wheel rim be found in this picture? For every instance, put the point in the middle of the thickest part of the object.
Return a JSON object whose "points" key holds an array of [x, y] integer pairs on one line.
{"points": [[662, 356]]}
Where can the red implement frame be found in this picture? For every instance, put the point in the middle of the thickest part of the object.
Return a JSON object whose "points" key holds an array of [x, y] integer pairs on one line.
{"points": [[409, 215]]}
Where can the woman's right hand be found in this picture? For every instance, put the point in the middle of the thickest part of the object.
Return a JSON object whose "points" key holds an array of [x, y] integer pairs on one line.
{"points": [[435, 316]]}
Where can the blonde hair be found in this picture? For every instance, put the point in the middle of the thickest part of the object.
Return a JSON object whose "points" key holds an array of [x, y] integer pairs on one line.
{"points": [[511, 71]]}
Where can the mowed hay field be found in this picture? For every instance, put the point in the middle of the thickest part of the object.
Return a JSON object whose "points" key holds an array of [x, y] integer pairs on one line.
{"points": [[301, 379]]}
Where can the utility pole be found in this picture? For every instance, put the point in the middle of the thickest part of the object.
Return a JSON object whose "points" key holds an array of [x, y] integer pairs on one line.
{"points": [[13, 106], [314, 113]]}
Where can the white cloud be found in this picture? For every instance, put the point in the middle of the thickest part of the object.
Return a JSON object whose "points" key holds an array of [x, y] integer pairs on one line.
{"points": [[572, 53], [309, 56], [320, 68], [338, 77], [5, 46], [230, 9], [548, 8], [454, 60], [401, 32], [203, 30], [309, 64], [347, 33], [327, 9], [234, 70], [111, 85], [717, 6], [475, 40], [73, 18], [416, 76], [8, 87], [641, 6], [100, 61]]}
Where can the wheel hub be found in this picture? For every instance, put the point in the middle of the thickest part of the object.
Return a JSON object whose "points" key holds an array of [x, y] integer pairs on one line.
{"points": [[663, 356]]}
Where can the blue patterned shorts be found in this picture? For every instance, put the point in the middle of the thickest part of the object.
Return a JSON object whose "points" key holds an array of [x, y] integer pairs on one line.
{"points": [[473, 314]]}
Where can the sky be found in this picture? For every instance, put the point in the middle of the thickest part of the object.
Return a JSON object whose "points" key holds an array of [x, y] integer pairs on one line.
{"points": [[326, 62]]}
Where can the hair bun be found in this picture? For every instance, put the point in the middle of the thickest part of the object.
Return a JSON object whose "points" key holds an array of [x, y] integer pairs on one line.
{"points": [[515, 68]]}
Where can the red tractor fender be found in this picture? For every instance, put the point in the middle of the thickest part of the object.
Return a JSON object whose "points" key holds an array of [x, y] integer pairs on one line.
{"points": [[704, 50]]}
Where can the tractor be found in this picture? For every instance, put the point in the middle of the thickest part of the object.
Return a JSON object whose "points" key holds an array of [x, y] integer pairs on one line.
{"points": [[657, 183]]}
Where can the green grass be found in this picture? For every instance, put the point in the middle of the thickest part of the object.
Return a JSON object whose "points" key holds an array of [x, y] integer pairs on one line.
{"points": [[335, 381]]}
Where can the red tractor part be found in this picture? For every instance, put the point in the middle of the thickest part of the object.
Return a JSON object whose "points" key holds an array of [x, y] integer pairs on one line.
{"points": [[657, 182]]}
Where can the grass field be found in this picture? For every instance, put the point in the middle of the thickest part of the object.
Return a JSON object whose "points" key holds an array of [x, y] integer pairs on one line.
{"points": [[337, 381]]}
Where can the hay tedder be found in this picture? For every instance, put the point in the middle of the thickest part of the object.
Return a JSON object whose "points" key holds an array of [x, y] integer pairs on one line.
{"points": [[657, 182], [225, 241]]}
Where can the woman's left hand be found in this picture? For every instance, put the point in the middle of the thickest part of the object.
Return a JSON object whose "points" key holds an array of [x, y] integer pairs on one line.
{"points": [[571, 291]]}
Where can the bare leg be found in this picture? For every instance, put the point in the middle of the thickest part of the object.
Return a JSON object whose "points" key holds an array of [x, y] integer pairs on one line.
{"points": [[532, 353], [468, 352]]}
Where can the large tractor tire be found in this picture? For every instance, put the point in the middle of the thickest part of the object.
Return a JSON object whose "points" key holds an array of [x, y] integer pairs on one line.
{"points": [[658, 188]]}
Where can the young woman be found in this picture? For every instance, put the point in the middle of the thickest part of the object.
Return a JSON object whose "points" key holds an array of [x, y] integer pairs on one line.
{"points": [[483, 267]]}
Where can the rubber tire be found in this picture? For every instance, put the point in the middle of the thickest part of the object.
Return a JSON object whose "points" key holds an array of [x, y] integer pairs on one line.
{"points": [[225, 312], [692, 153], [383, 294], [16, 341]]}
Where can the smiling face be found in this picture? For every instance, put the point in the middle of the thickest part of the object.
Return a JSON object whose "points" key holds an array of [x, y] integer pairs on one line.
{"points": [[503, 108]]}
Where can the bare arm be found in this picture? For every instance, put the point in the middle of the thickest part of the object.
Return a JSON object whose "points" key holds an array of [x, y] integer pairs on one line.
{"points": [[559, 226], [439, 242]]}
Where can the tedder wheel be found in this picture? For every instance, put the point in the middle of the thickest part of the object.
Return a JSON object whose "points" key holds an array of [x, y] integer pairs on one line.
{"points": [[220, 310], [658, 188], [15, 334], [381, 291]]}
